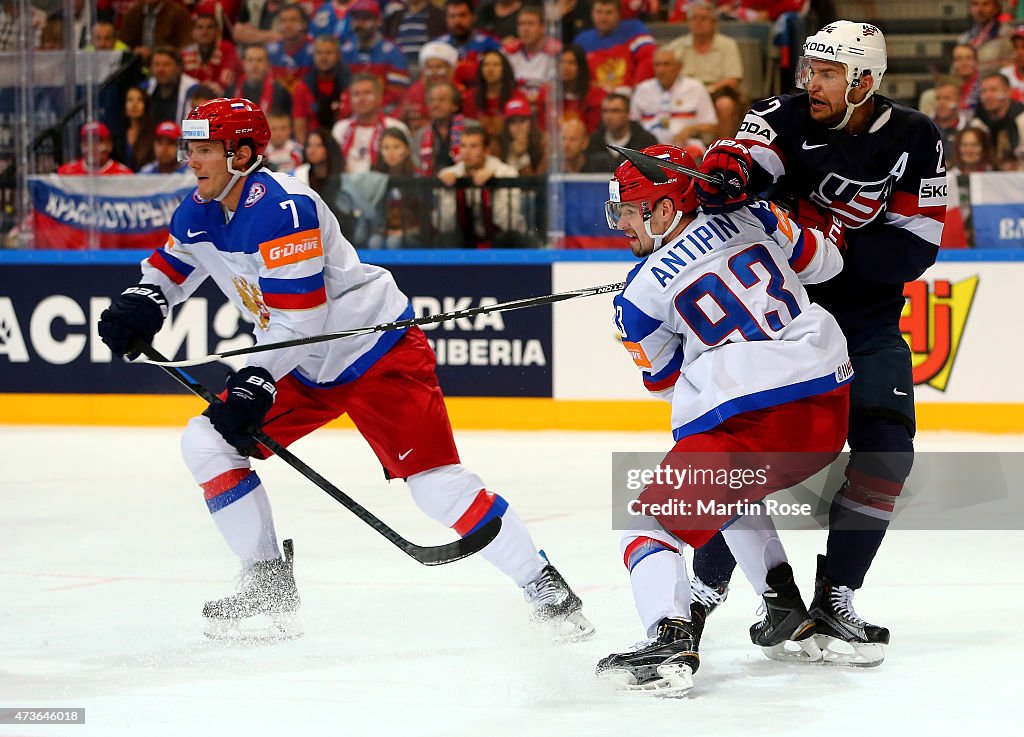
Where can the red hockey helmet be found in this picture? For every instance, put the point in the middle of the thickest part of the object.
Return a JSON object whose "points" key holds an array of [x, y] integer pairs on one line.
{"points": [[231, 121], [629, 185]]}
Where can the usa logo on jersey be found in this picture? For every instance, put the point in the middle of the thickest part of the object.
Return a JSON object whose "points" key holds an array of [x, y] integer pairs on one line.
{"points": [[855, 203]]}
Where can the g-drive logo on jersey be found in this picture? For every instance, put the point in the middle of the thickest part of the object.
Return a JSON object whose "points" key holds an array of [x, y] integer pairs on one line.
{"points": [[857, 203], [292, 248]]}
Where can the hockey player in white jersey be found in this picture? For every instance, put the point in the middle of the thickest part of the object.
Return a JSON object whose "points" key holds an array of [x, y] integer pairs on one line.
{"points": [[274, 248], [716, 318]]}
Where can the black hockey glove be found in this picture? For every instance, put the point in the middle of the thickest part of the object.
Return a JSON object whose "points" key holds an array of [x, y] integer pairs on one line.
{"points": [[250, 395], [135, 315], [731, 162]]}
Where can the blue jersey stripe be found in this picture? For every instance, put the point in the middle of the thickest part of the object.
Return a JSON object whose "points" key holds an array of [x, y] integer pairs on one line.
{"points": [[302, 285]]}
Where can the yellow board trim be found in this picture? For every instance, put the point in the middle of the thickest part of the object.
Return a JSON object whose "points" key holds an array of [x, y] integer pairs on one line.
{"points": [[467, 413]]}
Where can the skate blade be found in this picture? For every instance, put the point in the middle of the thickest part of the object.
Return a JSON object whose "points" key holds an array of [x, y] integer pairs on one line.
{"points": [[675, 680], [794, 651], [851, 654], [261, 628], [574, 628]]}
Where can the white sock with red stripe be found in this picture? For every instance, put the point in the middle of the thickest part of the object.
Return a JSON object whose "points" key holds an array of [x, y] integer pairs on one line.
{"points": [[658, 575], [755, 544], [242, 514], [456, 498]]}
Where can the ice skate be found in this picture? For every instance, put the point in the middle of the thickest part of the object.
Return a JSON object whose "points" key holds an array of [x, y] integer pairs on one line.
{"points": [[707, 598], [663, 665], [265, 607], [844, 638], [787, 630], [557, 606]]}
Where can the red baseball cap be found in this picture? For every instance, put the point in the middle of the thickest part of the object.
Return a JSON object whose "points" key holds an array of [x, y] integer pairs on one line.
{"points": [[370, 7], [167, 129], [516, 108], [95, 129]]}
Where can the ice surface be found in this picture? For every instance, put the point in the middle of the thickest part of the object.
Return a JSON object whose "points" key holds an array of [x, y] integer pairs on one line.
{"points": [[108, 554]]}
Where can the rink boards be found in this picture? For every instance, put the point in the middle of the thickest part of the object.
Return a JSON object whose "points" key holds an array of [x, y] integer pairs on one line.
{"points": [[536, 368]]}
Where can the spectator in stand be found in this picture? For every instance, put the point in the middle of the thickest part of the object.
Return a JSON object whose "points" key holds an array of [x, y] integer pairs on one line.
{"points": [[438, 144], [618, 129], [786, 17], [533, 57], [11, 19], [370, 52], [713, 59], [96, 148], [331, 19], [948, 116], [972, 152], [580, 99], [575, 17], [988, 35], [202, 93], [469, 42], [412, 24], [258, 85], [150, 24], [169, 87], [576, 159], [495, 87], [134, 142], [291, 58], [500, 18], [474, 216], [520, 143], [1015, 71], [404, 209], [256, 22], [284, 153], [359, 136], [437, 64], [210, 58], [322, 168], [999, 115], [675, 108], [619, 52], [104, 38], [165, 151], [327, 81], [964, 69]]}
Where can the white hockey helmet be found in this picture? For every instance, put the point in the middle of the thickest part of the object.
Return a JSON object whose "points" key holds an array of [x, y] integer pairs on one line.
{"points": [[860, 47]]}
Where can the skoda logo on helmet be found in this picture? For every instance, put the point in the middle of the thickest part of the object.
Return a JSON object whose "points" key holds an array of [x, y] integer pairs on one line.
{"points": [[819, 47]]}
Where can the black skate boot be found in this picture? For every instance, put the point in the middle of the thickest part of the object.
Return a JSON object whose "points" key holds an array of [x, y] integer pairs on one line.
{"points": [[664, 665], [787, 630], [707, 598], [844, 638], [556, 605], [265, 606]]}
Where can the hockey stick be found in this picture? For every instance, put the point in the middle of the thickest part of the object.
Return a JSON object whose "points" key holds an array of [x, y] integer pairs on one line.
{"points": [[653, 167], [516, 304], [428, 556]]}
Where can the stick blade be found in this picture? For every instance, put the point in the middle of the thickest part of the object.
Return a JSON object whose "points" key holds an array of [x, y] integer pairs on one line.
{"points": [[472, 543], [644, 163]]}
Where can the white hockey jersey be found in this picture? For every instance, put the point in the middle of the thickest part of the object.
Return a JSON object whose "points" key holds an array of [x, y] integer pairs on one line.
{"points": [[719, 323], [283, 262]]}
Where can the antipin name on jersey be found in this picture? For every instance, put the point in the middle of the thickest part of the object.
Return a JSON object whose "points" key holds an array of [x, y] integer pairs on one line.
{"points": [[714, 231]]}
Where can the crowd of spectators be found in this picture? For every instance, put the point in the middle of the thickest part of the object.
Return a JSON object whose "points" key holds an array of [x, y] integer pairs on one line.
{"points": [[414, 88]]}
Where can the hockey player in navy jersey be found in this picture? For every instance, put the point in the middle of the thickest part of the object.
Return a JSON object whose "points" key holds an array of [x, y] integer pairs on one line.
{"points": [[843, 150], [274, 248], [716, 318]]}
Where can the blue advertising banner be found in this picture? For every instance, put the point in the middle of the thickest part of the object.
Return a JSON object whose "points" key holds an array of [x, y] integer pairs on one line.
{"points": [[48, 340]]}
